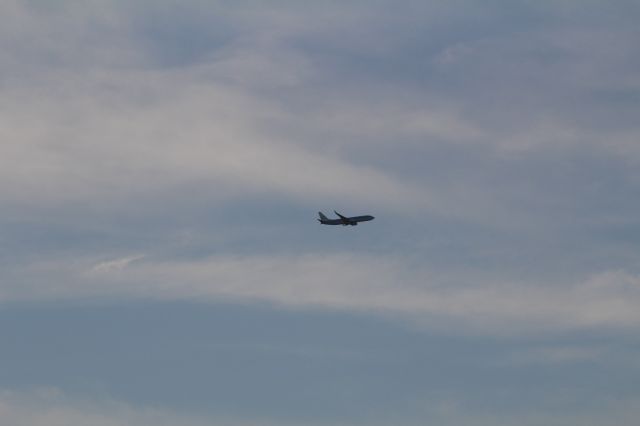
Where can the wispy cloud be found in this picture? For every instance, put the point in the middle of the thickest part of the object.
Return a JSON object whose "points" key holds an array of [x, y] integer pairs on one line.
{"points": [[559, 354], [386, 286], [116, 264], [52, 407], [99, 144]]}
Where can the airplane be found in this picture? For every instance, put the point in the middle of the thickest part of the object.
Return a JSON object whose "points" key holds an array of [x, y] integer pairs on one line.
{"points": [[343, 220]]}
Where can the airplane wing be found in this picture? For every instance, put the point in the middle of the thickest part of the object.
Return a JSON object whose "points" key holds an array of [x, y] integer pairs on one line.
{"points": [[345, 220], [341, 217]]}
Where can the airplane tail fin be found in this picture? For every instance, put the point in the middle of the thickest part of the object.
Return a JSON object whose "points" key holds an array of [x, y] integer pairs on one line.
{"points": [[322, 216]]}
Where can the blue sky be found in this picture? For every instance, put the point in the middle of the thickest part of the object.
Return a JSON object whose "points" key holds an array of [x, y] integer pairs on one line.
{"points": [[162, 164]]}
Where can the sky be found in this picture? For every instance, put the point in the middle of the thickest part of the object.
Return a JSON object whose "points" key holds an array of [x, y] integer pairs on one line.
{"points": [[162, 164]]}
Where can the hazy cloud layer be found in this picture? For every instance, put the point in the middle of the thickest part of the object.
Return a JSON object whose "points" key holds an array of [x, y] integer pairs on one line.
{"points": [[519, 121], [51, 407]]}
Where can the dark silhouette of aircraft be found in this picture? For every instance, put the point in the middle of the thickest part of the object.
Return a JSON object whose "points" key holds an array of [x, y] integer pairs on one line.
{"points": [[343, 220]]}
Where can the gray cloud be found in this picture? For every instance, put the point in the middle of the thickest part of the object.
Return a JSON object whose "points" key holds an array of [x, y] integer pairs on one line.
{"points": [[263, 109], [497, 142]]}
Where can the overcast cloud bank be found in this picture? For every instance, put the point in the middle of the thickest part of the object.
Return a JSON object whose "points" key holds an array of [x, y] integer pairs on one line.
{"points": [[157, 152]]}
